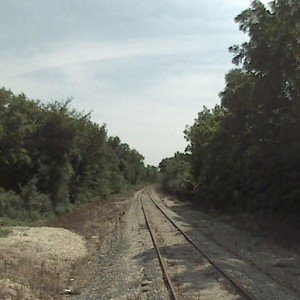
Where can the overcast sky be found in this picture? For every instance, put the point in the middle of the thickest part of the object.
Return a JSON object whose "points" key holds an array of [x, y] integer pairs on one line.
{"points": [[144, 67]]}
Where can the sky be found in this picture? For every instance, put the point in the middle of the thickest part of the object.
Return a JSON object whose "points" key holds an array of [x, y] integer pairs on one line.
{"points": [[145, 68]]}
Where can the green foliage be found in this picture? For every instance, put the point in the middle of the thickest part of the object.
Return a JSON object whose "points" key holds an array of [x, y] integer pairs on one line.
{"points": [[53, 157], [151, 174], [10, 204], [4, 232], [176, 174], [244, 154], [35, 202]]}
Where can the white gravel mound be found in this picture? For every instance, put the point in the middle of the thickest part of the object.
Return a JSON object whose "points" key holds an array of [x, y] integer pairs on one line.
{"points": [[47, 243]]}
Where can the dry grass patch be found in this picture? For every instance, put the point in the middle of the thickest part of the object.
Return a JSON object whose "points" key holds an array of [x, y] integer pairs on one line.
{"points": [[34, 262], [59, 258]]}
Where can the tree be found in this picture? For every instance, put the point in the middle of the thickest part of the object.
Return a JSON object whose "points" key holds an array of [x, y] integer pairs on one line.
{"points": [[176, 175], [53, 157], [19, 118], [263, 100], [244, 153]]}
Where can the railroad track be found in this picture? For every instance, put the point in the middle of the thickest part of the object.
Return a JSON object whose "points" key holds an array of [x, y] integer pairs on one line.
{"points": [[159, 245]]}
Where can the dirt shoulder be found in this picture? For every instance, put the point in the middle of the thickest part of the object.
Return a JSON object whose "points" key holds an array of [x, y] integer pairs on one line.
{"points": [[60, 258]]}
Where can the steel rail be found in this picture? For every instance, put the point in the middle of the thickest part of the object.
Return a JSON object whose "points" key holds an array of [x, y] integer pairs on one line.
{"points": [[237, 285], [161, 260]]}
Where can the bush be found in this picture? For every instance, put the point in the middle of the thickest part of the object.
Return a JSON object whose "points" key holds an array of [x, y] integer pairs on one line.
{"points": [[34, 200], [10, 204]]}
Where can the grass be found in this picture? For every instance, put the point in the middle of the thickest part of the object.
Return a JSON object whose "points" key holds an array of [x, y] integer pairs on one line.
{"points": [[4, 232]]}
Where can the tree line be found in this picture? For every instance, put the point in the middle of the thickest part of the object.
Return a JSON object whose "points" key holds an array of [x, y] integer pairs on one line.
{"points": [[53, 157], [244, 153]]}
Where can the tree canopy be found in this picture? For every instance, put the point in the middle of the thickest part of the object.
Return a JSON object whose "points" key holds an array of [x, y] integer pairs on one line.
{"points": [[244, 154], [53, 157]]}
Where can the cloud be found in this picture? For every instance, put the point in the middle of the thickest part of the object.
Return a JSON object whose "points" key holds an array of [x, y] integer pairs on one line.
{"points": [[144, 67]]}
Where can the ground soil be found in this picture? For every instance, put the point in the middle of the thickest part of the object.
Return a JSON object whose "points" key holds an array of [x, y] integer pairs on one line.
{"points": [[60, 258], [104, 251], [128, 267], [35, 261]]}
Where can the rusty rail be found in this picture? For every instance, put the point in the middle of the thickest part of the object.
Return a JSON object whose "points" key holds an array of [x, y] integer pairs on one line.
{"points": [[161, 260], [233, 281]]}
